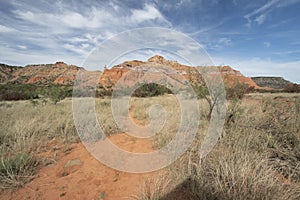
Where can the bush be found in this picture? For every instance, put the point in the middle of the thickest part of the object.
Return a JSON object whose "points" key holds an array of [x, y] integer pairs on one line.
{"points": [[200, 90], [151, 90], [238, 90], [26, 91], [14, 92], [292, 88], [16, 171], [56, 93], [257, 158]]}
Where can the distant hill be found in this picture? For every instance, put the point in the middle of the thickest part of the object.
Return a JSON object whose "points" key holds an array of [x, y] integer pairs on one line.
{"points": [[63, 74], [6, 72], [111, 76], [59, 73], [271, 82], [51, 80]]}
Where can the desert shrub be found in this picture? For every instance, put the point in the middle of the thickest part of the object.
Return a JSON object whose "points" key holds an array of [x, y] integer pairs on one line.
{"points": [[273, 91], [17, 170], [13, 92], [238, 90], [257, 158], [212, 97], [106, 118], [103, 92], [84, 92], [34, 102], [200, 90], [293, 88], [29, 91], [281, 123], [154, 189], [56, 93], [151, 90]]}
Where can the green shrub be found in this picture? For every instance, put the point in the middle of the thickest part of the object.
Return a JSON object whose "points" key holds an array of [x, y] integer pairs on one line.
{"points": [[151, 90], [17, 170], [293, 88], [238, 90]]}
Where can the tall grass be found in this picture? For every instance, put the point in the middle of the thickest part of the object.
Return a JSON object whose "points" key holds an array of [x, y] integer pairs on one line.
{"points": [[257, 157], [25, 132], [27, 129]]}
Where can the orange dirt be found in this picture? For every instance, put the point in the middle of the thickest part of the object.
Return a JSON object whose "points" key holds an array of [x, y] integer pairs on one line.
{"points": [[78, 175]]}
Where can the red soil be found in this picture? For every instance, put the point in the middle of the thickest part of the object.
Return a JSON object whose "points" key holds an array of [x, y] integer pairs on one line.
{"points": [[86, 178]]}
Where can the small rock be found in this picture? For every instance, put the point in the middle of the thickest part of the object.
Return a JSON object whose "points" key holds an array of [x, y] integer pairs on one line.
{"points": [[71, 163]]}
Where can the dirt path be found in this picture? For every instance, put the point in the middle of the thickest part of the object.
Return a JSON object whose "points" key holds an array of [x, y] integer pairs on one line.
{"points": [[77, 175]]}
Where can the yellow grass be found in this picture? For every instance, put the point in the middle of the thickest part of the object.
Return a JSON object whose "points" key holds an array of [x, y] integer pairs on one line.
{"points": [[256, 158]]}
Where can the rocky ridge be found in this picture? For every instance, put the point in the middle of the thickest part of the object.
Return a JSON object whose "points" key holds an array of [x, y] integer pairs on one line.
{"points": [[63, 74], [59, 73], [111, 76], [271, 82]]}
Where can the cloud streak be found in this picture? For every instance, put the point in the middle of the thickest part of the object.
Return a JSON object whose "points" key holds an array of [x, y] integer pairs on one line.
{"points": [[260, 14], [74, 32], [50, 31], [264, 67]]}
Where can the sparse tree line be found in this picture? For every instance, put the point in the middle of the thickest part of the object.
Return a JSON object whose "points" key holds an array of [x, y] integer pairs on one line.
{"points": [[57, 93], [13, 92]]}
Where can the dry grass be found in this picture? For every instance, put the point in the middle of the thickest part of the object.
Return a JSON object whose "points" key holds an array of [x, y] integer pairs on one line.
{"points": [[258, 156], [27, 129], [154, 188]]}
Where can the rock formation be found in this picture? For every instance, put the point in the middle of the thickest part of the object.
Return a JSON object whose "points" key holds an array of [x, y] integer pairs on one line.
{"points": [[271, 82], [62, 74]]}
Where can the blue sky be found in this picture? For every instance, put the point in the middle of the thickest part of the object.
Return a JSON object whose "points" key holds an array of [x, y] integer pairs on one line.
{"points": [[259, 37]]}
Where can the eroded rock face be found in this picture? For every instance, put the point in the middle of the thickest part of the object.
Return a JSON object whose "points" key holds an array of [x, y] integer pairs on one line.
{"points": [[271, 82], [231, 76], [62, 74], [183, 72], [44, 74], [6, 72]]}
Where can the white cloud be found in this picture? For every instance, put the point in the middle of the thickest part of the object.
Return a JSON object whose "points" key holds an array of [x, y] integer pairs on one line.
{"points": [[225, 41], [22, 47], [114, 5], [208, 28], [9, 55], [263, 67], [261, 11], [261, 19], [265, 9], [286, 52], [149, 12], [79, 50], [4, 29], [181, 3], [77, 39], [68, 19], [220, 43], [75, 32]]}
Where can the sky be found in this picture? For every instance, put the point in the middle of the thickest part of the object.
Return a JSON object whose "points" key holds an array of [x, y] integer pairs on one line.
{"points": [[259, 37]]}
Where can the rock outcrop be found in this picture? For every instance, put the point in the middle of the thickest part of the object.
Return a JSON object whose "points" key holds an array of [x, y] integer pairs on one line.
{"points": [[230, 76], [271, 82], [6, 72], [155, 67], [44, 74], [177, 71]]}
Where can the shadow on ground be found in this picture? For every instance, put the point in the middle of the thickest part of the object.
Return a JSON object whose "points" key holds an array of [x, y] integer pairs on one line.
{"points": [[189, 190]]}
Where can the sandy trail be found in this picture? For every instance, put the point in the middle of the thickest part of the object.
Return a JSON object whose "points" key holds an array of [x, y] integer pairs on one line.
{"points": [[86, 177], [78, 175]]}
